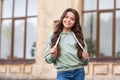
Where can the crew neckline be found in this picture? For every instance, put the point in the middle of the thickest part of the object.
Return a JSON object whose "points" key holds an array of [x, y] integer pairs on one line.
{"points": [[66, 32]]}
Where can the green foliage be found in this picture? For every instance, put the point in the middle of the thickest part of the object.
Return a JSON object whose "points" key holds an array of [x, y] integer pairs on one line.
{"points": [[33, 49], [90, 47], [118, 54]]}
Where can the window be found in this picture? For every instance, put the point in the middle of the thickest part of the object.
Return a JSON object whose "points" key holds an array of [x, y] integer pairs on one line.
{"points": [[106, 4], [105, 34], [89, 31], [117, 3], [90, 4], [117, 42], [101, 28], [18, 30]]}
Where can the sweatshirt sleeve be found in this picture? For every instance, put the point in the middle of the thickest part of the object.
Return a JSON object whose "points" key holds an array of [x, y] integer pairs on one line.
{"points": [[48, 58]]}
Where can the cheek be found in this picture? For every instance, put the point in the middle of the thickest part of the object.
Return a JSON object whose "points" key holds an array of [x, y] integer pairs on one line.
{"points": [[63, 20], [73, 23]]}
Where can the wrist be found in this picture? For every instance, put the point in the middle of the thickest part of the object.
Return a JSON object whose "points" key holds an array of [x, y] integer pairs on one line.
{"points": [[53, 55]]}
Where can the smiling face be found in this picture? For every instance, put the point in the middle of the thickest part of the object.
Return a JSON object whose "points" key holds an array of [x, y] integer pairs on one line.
{"points": [[68, 21]]}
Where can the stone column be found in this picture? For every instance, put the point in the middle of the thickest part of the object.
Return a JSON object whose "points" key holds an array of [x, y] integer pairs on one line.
{"points": [[80, 10], [0, 8], [42, 70]]}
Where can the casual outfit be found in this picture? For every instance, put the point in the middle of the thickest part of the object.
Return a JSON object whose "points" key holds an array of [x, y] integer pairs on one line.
{"points": [[68, 65]]}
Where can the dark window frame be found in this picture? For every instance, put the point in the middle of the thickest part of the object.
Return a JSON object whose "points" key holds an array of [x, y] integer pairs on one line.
{"points": [[103, 59], [12, 60]]}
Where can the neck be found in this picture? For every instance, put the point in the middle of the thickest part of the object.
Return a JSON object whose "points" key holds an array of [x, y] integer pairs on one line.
{"points": [[67, 30]]}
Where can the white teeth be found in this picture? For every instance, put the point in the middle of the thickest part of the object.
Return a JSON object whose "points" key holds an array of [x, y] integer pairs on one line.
{"points": [[68, 23]]}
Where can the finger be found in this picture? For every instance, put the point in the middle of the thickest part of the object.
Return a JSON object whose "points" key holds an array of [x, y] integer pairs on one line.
{"points": [[54, 46], [85, 54], [55, 51]]}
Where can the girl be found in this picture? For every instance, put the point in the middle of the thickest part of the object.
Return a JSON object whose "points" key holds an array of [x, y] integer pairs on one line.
{"points": [[65, 47]]}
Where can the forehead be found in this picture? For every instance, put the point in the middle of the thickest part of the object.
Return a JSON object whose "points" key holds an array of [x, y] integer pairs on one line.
{"points": [[71, 14]]}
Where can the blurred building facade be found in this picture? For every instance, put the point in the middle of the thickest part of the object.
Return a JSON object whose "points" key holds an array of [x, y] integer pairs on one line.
{"points": [[25, 25]]}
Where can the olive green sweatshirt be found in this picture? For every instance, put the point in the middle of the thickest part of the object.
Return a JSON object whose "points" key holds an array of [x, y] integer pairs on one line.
{"points": [[68, 59]]}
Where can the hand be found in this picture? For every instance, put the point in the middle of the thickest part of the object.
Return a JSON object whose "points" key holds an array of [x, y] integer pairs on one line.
{"points": [[85, 55], [53, 51]]}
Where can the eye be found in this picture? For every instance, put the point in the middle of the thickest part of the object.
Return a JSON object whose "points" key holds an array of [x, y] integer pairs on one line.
{"points": [[66, 16], [72, 19]]}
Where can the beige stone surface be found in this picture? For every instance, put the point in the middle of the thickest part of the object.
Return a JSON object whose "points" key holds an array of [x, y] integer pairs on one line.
{"points": [[100, 69], [116, 69], [3, 69]]}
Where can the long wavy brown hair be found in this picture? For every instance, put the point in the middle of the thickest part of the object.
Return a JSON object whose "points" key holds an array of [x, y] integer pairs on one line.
{"points": [[76, 29]]}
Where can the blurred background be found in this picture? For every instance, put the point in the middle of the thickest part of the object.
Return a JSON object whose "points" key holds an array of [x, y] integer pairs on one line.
{"points": [[25, 25]]}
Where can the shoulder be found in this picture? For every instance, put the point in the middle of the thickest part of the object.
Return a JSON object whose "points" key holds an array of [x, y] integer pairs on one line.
{"points": [[50, 35]]}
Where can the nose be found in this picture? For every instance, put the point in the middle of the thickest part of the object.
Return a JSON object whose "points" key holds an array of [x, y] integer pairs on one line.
{"points": [[68, 19]]}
